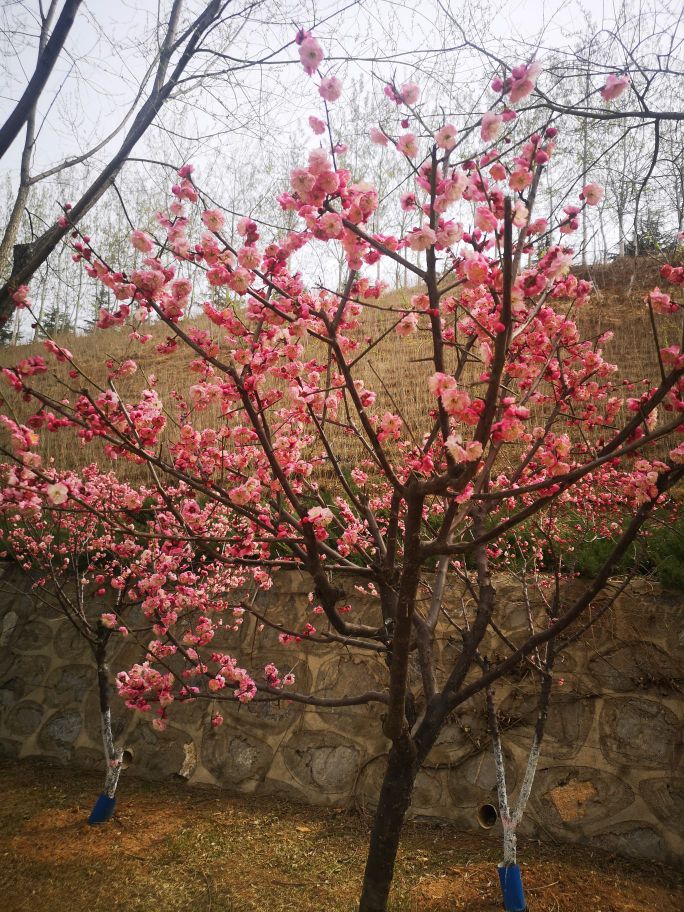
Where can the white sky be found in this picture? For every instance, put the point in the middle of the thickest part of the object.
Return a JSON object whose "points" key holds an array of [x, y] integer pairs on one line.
{"points": [[102, 64], [227, 129]]}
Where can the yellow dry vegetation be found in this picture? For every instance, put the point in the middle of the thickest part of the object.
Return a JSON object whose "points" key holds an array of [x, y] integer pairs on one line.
{"points": [[397, 370]]}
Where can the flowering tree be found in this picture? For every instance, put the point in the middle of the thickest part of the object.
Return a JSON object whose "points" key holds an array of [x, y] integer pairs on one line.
{"points": [[283, 456], [85, 537], [538, 546], [51, 525]]}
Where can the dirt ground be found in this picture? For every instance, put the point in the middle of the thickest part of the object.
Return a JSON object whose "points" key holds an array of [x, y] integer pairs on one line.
{"points": [[170, 849]]}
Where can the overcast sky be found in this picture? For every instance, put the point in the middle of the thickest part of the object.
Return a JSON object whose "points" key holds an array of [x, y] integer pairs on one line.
{"points": [[94, 81]]}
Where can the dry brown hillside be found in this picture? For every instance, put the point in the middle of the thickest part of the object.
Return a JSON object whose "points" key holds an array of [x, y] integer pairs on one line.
{"points": [[617, 305]]}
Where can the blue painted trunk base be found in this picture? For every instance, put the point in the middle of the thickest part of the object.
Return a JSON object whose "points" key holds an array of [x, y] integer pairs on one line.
{"points": [[103, 810], [512, 888]]}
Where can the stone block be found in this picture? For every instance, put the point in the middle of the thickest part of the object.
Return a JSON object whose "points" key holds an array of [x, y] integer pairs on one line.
{"points": [[427, 792], [31, 636], [59, 732], [9, 749], [473, 781], [631, 837], [69, 684], [87, 758], [233, 757], [349, 675], [24, 718], [68, 642], [20, 675], [323, 760], [568, 722], [7, 625], [636, 666], [577, 798], [665, 797], [156, 755], [638, 732]]}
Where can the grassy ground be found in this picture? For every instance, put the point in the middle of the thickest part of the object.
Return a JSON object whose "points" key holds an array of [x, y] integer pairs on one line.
{"points": [[171, 849]]}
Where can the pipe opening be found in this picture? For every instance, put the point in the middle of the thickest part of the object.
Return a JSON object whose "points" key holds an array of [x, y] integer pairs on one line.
{"points": [[126, 758], [487, 815]]}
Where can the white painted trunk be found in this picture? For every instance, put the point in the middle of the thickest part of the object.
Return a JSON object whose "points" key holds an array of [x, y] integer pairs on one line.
{"points": [[112, 755], [528, 780], [511, 818], [510, 841], [500, 768]]}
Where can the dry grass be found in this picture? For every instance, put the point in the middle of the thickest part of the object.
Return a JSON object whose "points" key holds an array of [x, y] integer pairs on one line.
{"points": [[173, 849], [398, 373]]}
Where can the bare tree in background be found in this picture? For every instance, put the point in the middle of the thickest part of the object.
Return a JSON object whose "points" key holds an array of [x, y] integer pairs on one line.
{"points": [[183, 58], [49, 49]]}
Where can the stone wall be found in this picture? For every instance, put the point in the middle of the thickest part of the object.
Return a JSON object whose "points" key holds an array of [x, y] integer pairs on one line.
{"points": [[612, 766]]}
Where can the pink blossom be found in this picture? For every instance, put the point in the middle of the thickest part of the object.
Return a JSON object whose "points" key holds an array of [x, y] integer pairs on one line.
{"points": [[409, 93], [332, 225], [322, 516], [317, 125], [490, 126], [249, 257], [310, 54], [408, 145], [485, 219], [247, 229], [677, 455], [212, 219], [57, 493], [439, 382], [520, 214], [456, 402], [445, 137], [377, 137], [61, 354], [498, 171], [142, 242], [421, 238], [661, 302], [390, 426], [476, 270], [592, 194], [520, 179], [469, 452], [240, 280], [407, 325], [330, 89], [302, 181], [449, 234], [408, 201], [20, 297], [614, 87], [523, 79], [319, 161]]}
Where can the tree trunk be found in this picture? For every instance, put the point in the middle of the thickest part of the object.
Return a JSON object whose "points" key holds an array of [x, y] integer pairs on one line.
{"points": [[12, 229], [49, 50], [112, 754], [510, 841], [395, 798]]}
